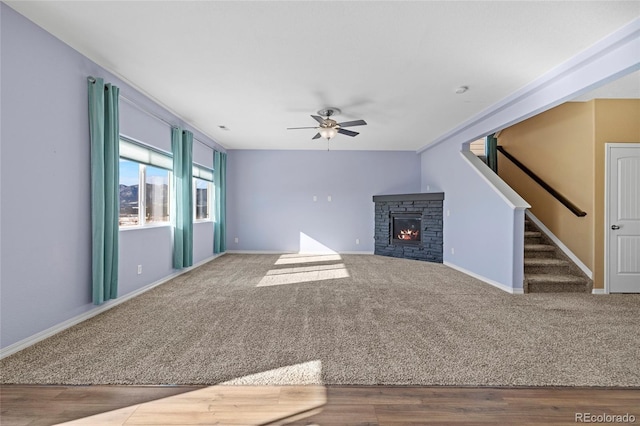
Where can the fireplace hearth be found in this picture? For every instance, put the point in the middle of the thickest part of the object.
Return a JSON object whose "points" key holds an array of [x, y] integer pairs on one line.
{"points": [[409, 226]]}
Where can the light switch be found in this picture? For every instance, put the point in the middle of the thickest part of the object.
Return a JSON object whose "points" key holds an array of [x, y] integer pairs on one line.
{"points": [[315, 198], [329, 198]]}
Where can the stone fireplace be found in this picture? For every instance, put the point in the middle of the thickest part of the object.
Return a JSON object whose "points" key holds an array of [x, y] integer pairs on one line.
{"points": [[409, 226]]}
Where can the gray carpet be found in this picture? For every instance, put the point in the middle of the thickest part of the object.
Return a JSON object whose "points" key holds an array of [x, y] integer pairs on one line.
{"points": [[267, 319]]}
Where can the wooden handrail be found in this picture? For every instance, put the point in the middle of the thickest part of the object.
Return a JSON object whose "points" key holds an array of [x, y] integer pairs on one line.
{"points": [[568, 204]]}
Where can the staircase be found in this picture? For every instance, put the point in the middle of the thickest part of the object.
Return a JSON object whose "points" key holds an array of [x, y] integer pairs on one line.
{"points": [[546, 268]]}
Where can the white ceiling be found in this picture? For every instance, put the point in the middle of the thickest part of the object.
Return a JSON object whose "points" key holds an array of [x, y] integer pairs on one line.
{"points": [[260, 67]]}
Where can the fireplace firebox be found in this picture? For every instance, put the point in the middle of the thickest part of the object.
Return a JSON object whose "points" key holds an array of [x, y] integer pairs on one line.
{"points": [[405, 228]]}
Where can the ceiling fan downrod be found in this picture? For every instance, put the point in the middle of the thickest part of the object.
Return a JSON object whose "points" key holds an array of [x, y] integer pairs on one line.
{"points": [[328, 112]]}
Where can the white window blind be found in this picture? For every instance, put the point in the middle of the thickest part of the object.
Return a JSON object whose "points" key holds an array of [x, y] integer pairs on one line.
{"points": [[145, 155], [201, 172]]}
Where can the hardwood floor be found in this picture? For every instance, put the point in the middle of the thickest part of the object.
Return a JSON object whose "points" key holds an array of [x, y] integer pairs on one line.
{"points": [[308, 405]]}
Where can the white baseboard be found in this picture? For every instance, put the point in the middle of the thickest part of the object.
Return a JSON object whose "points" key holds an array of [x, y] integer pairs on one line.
{"points": [[31, 340], [485, 279], [598, 291], [561, 245]]}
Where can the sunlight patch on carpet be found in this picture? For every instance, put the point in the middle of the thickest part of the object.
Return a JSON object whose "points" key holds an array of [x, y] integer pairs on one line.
{"points": [[304, 274], [318, 273], [289, 259], [313, 268]]}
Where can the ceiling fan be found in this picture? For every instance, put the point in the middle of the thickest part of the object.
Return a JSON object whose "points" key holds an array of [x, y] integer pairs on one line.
{"points": [[328, 127]]}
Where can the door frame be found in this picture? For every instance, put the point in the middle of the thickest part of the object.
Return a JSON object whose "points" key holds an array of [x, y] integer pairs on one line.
{"points": [[608, 146]]}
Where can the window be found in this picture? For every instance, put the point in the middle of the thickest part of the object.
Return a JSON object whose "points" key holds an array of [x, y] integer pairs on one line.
{"points": [[145, 185], [156, 194], [129, 200], [203, 193], [478, 147]]}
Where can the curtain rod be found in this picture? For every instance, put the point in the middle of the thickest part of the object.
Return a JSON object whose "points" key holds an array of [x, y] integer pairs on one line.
{"points": [[151, 114]]}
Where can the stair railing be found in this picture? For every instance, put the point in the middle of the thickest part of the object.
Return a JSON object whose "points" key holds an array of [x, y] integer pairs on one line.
{"points": [[568, 204]]}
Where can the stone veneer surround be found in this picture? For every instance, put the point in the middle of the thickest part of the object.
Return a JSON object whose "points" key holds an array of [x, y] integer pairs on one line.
{"points": [[430, 206]]}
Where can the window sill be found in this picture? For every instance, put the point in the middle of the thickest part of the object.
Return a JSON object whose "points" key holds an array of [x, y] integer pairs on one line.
{"points": [[203, 221], [150, 226]]}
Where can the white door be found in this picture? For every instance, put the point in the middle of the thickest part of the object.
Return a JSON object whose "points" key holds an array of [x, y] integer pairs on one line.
{"points": [[623, 225]]}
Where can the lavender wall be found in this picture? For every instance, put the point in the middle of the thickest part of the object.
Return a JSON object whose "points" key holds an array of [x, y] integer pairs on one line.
{"points": [[483, 232], [44, 181], [270, 197]]}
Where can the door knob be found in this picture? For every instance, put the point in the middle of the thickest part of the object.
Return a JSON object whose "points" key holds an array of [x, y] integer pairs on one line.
{"points": [[614, 227]]}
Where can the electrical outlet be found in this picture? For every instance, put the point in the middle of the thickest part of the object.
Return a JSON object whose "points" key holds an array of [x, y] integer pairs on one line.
{"points": [[315, 198], [139, 269], [329, 198], [453, 251], [428, 187], [236, 240], [448, 212], [357, 240]]}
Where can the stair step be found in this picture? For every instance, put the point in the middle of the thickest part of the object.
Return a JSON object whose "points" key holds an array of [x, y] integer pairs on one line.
{"points": [[532, 237], [551, 283], [539, 250], [546, 270], [539, 247], [545, 262], [554, 278], [542, 265]]}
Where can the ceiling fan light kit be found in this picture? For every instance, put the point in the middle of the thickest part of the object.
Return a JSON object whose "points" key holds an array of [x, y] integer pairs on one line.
{"points": [[329, 128], [327, 132]]}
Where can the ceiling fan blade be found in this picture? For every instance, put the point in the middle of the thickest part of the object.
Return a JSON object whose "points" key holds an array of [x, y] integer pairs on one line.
{"points": [[353, 123], [348, 132], [296, 128], [318, 119], [317, 136]]}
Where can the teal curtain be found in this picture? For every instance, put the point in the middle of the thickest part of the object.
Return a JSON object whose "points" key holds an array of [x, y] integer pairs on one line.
{"points": [[491, 151], [181, 146], [220, 182], [104, 132]]}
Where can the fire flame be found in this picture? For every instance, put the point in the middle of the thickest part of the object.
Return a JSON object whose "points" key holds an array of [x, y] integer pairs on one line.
{"points": [[408, 234]]}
